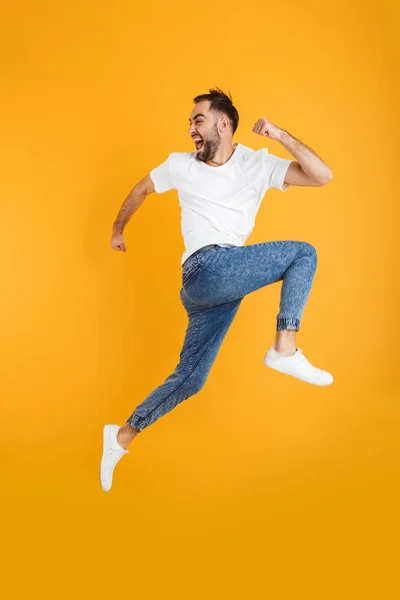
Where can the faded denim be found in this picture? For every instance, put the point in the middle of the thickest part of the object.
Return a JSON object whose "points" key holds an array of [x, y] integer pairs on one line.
{"points": [[214, 283]]}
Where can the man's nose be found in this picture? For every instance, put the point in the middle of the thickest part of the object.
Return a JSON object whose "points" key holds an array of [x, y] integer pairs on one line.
{"points": [[191, 130]]}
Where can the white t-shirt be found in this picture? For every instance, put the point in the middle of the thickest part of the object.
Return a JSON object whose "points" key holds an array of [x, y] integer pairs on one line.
{"points": [[219, 204]]}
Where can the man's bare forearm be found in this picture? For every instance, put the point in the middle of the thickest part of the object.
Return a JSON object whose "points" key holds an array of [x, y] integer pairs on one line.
{"points": [[309, 160], [132, 202]]}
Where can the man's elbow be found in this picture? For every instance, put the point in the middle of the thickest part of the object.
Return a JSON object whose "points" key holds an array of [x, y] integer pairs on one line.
{"points": [[324, 179]]}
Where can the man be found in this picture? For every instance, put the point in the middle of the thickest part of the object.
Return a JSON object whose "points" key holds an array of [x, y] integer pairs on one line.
{"points": [[220, 187]]}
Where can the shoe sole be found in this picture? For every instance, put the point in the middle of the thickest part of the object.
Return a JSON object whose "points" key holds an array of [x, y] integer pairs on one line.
{"points": [[275, 368], [105, 431]]}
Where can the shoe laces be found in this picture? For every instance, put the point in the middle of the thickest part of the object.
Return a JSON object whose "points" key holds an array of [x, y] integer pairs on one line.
{"points": [[113, 455]]}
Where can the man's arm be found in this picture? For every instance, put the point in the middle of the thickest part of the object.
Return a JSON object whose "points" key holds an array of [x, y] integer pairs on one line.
{"points": [[310, 168], [132, 202]]}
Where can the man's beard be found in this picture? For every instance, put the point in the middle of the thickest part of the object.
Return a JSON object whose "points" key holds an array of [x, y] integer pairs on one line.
{"points": [[209, 148]]}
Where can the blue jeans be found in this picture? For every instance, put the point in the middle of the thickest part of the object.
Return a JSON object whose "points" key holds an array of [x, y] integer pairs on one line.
{"points": [[214, 283]]}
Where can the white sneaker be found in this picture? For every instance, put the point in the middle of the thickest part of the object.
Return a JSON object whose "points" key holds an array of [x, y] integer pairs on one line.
{"points": [[297, 366], [112, 453]]}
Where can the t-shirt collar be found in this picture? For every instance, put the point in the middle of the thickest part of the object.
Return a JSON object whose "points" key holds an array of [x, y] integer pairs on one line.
{"points": [[227, 164]]}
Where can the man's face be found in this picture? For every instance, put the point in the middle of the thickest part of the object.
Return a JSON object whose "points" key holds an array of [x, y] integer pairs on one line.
{"points": [[203, 125]]}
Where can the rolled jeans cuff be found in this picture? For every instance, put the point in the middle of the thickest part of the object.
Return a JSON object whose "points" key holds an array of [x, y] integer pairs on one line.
{"points": [[287, 323], [133, 423]]}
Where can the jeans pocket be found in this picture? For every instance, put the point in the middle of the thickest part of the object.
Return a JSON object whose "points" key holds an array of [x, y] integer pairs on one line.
{"points": [[207, 259], [190, 270]]}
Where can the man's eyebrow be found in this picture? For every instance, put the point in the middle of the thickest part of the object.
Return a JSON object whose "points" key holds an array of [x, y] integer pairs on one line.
{"points": [[195, 117]]}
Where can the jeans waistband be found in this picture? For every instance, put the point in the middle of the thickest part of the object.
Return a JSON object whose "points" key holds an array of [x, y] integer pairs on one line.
{"points": [[204, 248]]}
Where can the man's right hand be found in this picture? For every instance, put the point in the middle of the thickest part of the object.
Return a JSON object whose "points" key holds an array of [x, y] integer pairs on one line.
{"points": [[118, 242]]}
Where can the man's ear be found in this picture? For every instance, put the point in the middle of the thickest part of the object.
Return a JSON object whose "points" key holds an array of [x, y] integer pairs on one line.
{"points": [[225, 122]]}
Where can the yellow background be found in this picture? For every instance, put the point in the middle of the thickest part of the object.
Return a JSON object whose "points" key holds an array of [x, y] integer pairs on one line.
{"points": [[260, 486]]}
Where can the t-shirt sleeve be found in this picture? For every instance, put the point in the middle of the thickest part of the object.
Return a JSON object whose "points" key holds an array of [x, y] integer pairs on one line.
{"points": [[162, 176], [274, 170]]}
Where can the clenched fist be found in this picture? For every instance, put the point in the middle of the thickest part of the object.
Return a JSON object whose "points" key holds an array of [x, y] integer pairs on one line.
{"points": [[118, 242], [266, 128]]}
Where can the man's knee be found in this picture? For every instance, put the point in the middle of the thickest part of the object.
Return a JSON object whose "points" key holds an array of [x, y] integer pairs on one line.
{"points": [[310, 251], [198, 385], [199, 380]]}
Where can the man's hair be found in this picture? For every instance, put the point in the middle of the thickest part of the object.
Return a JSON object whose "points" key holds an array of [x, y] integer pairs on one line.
{"points": [[220, 103]]}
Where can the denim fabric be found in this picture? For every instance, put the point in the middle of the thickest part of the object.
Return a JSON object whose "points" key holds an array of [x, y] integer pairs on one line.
{"points": [[214, 282]]}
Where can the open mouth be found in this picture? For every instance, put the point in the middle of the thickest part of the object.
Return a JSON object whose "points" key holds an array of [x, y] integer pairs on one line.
{"points": [[199, 144]]}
